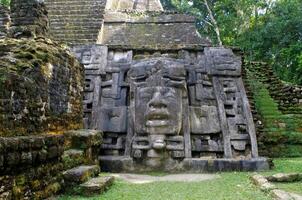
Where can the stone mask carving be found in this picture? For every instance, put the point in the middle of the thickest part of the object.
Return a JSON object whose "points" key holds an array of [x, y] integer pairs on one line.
{"points": [[159, 88], [170, 111]]}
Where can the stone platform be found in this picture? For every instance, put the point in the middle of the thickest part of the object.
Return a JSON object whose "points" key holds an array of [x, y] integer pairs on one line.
{"points": [[188, 165], [142, 178]]}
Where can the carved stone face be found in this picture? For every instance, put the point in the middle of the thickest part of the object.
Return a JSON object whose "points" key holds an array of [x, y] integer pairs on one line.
{"points": [[86, 57], [159, 110], [158, 96]]}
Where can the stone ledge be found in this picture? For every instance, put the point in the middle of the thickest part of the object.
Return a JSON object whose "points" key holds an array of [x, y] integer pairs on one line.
{"points": [[122, 17], [126, 164], [85, 138], [18, 153], [80, 174]]}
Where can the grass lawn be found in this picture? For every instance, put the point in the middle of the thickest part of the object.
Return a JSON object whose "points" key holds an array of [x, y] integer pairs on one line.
{"points": [[231, 186], [291, 187]]}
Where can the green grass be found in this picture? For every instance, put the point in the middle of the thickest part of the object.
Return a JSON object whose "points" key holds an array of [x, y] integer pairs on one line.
{"points": [[295, 187], [286, 165], [229, 186]]}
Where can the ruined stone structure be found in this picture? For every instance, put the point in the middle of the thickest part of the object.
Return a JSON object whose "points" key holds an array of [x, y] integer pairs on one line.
{"points": [[29, 19], [279, 135], [4, 21], [164, 98]]}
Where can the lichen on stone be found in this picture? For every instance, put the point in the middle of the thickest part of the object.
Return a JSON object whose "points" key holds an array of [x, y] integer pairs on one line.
{"points": [[40, 87]]}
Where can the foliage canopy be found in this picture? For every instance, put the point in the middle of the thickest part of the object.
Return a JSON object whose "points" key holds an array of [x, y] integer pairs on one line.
{"points": [[5, 2], [268, 30]]}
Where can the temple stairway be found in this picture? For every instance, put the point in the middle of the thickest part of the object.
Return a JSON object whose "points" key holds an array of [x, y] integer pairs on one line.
{"points": [[75, 21], [277, 111]]}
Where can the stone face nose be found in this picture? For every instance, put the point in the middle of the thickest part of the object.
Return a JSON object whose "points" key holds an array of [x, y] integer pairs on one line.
{"points": [[157, 101]]}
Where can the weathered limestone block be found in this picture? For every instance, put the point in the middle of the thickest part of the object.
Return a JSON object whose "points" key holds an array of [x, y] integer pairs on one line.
{"points": [[83, 139], [29, 19], [4, 21], [281, 195], [41, 88], [89, 141], [262, 182], [21, 153], [80, 174], [96, 185], [38, 182], [72, 158], [282, 177]]}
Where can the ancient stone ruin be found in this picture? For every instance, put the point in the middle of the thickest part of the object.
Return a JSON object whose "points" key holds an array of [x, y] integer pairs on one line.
{"points": [[163, 97], [157, 96]]}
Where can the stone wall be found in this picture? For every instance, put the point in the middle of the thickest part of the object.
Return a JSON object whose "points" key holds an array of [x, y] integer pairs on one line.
{"points": [[32, 167], [41, 88], [4, 21], [277, 111], [29, 18]]}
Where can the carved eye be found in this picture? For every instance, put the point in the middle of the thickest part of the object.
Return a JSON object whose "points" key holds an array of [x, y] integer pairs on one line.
{"points": [[145, 94], [170, 93]]}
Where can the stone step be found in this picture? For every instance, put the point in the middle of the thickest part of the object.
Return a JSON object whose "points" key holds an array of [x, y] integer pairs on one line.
{"points": [[69, 2], [76, 24], [75, 19], [66, 29], [80, 174], [88, 13], [72, 31], [75, 6], [75, 40], [95, 185], [74, 36], [73, 157], [54, 19]]}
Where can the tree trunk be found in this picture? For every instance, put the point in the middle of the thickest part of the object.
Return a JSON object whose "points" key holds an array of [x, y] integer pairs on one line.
{"points": [[216, 28]]}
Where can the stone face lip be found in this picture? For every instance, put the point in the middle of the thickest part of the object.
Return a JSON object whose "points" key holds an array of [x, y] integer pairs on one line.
{"points": [[80, 174], [96, 185]]}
